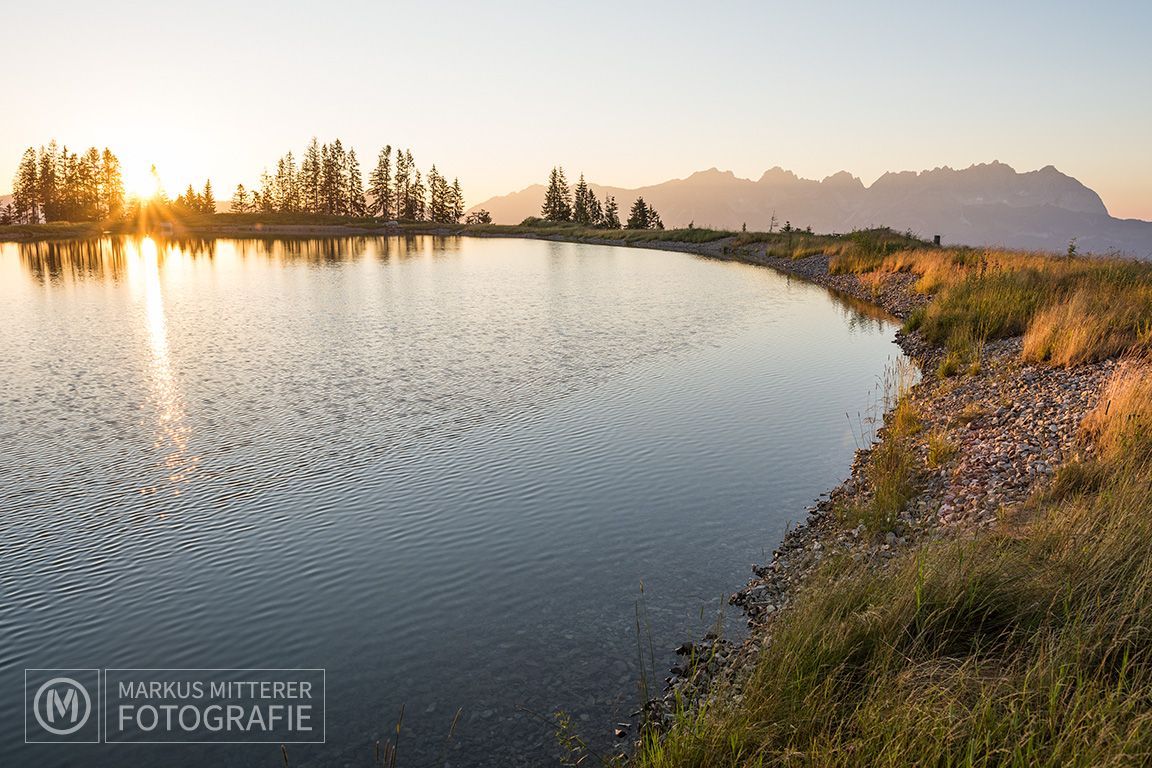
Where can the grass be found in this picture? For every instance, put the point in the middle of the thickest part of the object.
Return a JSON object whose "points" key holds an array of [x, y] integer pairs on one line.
{"points": [[1027, 646], [1069, 310], [941, 450]]}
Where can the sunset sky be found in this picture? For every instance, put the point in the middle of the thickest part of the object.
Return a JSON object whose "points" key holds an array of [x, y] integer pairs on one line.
{"points": [[627, 93]]}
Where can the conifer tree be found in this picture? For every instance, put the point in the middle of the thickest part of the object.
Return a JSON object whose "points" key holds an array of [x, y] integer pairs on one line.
{"points": [[311, 177], [207, 199], [558, 198], [47, 188], [437, 197], [357, 206], [611, 213], [380, 185], [266, 198], [595, 212], [416, 195], [638, 216], [581, 204], [401, 182], [458, 203], [88, 183], [240, 200], [111, 186], [25, 189]]}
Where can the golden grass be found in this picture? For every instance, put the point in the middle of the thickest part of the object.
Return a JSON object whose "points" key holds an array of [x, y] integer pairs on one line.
{"points": [[1120, 425], [1070, 310], [941, 450]]}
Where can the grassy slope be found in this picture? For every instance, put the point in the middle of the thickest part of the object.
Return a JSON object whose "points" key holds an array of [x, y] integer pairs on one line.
{"points": [[1031, 645]]}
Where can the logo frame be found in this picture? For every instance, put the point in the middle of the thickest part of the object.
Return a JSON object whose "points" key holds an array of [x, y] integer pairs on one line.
{"points": [[37, 731]]}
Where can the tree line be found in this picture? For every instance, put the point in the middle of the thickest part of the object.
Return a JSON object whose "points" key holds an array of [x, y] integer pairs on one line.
{"points": [[562, 204], [328, 180], [54, 184]]}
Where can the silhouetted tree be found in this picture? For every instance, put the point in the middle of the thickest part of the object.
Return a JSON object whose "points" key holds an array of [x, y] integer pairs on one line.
{"points": [[311, 179], [585, 206], [380, 185], [240, 202], [25, 189], [611, 213], [402, 182], [457, 203], [111, 186], [557, 198], [356, 205], [416, 193], [207, 199], [437, 197], [479, 216], [638, 217]]}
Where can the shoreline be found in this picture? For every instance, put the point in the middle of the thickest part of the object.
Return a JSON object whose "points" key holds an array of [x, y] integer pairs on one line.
{"points": [[1008, 426]]}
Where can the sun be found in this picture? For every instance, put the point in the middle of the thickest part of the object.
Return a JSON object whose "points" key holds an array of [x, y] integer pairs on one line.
{"points": [[142, 183]]}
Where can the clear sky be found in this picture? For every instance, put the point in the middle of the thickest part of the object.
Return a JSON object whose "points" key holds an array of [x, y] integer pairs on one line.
{"points": [[629, 93]]}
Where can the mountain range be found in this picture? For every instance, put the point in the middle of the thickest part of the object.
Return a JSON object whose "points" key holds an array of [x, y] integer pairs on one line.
{"points": [[986, 204]]}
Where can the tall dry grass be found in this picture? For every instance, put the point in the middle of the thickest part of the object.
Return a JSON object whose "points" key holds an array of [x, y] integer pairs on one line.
{"points": [[1069, 310]]}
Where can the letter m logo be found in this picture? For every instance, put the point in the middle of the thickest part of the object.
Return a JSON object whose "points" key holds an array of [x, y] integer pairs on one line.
{"points": [[60, 706]]}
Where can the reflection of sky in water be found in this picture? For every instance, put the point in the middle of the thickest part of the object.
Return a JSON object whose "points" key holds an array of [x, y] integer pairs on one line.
{"points": [[439, 467]]}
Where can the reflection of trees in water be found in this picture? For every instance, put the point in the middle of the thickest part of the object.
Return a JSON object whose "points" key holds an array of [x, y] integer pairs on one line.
{"points": [[99, 258], [106, 257]]}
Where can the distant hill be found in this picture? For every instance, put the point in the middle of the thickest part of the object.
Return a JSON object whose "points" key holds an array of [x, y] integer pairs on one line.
{"points": [[987, 204]]}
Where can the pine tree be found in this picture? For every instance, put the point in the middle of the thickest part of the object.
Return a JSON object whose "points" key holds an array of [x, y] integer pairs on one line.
{"points": [[287, 185], [88, 178], [654, 221], [401, 182], [380, 185], [207, 199], [437, 192], [311, 177], [266, 198], [48, 190], [457, 207], [329, 180], [111, 186], [643, 216], [558, 198], [26, 190], [240, 200], [357, 206], [582, 204], [595, 212], [638, 216], [611, 213], [416, 195]]}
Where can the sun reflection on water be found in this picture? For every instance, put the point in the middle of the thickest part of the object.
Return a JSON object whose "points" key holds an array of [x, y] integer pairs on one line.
{"points": [[172, 431]]}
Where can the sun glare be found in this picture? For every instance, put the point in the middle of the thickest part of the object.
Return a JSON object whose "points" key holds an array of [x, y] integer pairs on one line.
{"points": [[142, 183]]}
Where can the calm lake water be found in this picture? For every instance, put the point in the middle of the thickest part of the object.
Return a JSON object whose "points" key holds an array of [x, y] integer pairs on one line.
{"points": [[446, 470]]}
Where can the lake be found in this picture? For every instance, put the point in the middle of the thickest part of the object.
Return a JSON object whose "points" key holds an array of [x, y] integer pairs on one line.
{"points": [[450, 471]]}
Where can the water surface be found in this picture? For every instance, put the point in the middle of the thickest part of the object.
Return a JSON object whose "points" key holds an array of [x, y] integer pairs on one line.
{"points": [[445, 470]]}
